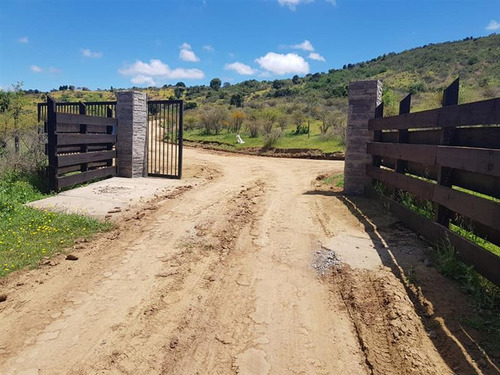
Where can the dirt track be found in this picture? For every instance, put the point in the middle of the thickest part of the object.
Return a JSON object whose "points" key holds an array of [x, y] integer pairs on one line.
{"points": [[231, 274]]}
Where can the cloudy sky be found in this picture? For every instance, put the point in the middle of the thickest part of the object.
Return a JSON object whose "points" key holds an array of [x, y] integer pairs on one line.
{"points": [[124, 43]]}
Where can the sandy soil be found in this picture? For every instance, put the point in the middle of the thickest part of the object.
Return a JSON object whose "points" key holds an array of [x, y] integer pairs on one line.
{"points": [[249, 267]]}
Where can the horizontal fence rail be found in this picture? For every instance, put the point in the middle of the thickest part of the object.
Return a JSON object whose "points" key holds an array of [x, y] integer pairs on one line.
{"points": [[91, 109], [456, 167], [80, 148]]}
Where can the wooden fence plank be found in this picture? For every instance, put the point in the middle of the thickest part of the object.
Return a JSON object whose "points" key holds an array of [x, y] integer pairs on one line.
{"points": [[477, 160], [79, 178], [474, 136], [61, 150], [75, 128], [86, 139], [484, 112], [422, 189], [479, 209], [66, 160], [87, 120], [74, 168], [480, 183], [484, 261], [424, 154]]}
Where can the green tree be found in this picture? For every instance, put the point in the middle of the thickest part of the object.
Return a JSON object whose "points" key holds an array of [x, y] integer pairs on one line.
{"points": [[236, 100], [215, 84], [178, 91]]}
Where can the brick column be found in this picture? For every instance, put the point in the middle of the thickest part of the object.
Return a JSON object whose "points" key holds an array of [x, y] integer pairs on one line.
{"points": [[364, 97], [131, 112]]}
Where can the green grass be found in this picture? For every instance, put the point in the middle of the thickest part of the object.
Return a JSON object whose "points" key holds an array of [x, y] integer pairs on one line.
{"points": [[286, 141], [336, 179], [27, 235]]}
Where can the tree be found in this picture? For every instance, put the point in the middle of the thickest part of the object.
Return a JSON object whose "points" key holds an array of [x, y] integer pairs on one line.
{"points": [[236, 100], [213, 119], [237, 119], [11, 107], [226, 85], [180, 84], [215, 84], [296, 79], [178, 91]]}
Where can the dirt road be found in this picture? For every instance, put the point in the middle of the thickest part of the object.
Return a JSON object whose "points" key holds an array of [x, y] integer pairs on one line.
{"points": [[229, 274]]}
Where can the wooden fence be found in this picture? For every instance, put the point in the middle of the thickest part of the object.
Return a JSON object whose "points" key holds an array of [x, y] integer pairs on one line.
{"points": [[449, 156], [80, 148]]}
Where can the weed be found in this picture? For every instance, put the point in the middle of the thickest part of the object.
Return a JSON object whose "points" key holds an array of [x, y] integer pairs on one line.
{"points": [[27, 235]]}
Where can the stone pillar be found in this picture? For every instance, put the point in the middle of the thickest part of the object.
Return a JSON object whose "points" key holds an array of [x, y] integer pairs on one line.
{"points": [[131, 113], [364, 97]]}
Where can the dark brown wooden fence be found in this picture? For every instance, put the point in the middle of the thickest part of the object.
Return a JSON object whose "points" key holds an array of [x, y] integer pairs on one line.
{"points": [[449, 156], [80, 148]]}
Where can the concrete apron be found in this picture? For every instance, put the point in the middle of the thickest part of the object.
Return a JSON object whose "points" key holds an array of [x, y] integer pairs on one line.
{"points": [[105, 199]]}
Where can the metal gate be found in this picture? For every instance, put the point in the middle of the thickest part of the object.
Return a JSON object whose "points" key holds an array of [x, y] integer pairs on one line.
{"points": [[164, 138]]}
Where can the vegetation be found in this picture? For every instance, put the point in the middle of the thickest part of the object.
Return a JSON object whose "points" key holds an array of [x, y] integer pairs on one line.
{"points": [[316, 103], [28, 235]]}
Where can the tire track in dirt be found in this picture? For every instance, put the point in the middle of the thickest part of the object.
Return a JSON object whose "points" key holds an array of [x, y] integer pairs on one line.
{"points": [[219, 280]]}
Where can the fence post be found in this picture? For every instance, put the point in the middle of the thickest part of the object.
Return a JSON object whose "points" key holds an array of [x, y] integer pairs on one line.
{"points": [[364, 98], [450, 97], [52, 144], [82, 110], [131, 113]]}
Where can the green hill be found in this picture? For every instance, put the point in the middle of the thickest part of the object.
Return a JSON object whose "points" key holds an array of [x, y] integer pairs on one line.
{"points": [[423, 71]]}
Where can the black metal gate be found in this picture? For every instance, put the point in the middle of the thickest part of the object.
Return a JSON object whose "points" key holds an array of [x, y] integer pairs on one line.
{"points": [[164, 138]]}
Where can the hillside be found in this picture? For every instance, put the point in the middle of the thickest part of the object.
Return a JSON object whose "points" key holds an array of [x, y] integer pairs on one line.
{"points": [[424, 71]]}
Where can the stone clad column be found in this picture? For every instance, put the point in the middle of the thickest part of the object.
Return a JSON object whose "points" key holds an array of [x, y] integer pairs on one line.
{"points": [[364, 97], [131, 113]]}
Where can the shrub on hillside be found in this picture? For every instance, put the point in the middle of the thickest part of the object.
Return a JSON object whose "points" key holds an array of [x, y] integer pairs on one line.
{"points": [[271, 138], [254, 127], [213, 119]]}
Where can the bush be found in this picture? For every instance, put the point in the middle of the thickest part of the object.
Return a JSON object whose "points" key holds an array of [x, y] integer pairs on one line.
{"points": [[253, 127], [271, 138], [214, 119], [29, 162]]}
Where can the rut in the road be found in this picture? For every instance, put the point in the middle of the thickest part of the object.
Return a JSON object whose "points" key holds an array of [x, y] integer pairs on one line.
{"points": [[194, 284], [389, 330]]}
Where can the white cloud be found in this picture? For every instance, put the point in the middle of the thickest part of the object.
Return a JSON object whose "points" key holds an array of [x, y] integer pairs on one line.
{"points": [[316, 56], [208, 48], [187, 54], [143, 72], [292, 4], [493, 25], [305, 46], [23, 40], [283, 64], [240, 68], [36, 69], [141, 79], [91, 54]]}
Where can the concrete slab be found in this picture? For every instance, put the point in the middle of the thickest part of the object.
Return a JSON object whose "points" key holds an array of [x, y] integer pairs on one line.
{"points": [[97, 199]]}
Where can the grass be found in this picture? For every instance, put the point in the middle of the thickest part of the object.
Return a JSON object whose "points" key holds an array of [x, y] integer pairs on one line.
{"points": [[486, 295], [336, 179], [28, 235], [286, 141]]}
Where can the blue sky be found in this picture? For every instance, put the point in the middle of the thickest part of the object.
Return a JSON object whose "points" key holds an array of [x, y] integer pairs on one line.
{"points": [[125, 43]]}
